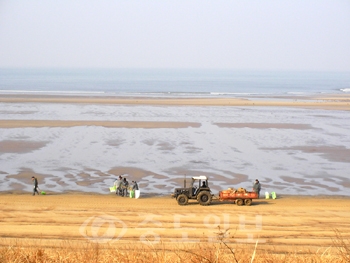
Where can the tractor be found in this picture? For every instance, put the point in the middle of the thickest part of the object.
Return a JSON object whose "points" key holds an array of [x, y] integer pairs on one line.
{"points": [[199, 190]]}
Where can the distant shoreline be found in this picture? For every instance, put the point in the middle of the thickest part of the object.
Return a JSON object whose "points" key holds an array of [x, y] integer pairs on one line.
{"points": [[324, 101]]}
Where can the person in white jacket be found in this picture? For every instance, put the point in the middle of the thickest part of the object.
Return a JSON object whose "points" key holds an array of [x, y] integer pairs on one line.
{"points": [[117, 184]]}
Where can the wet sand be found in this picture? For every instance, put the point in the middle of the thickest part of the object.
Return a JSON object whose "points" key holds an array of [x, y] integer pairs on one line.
{"points": [[60, 142], [107, 124]]}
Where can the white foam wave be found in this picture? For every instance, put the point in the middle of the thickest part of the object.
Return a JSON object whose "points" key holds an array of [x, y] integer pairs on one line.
{"points": [[53, 91], [234, 93], [296, 93], [345, 90]]}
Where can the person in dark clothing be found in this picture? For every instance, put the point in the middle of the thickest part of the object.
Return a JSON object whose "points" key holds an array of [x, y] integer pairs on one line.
{"points": [[257, 187], [125, 185], [35, 185], [135, 186]]}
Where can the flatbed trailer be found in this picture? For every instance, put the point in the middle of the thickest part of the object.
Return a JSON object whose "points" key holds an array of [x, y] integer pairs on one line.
{"points": [[240, 198]]}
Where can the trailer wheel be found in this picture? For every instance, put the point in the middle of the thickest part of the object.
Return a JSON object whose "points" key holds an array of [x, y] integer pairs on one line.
{"points": [[248, 201], [182, 199], [204, 198], [239, 202]]}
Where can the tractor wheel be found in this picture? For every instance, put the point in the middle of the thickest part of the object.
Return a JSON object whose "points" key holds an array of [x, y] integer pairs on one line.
{"points": [[182, 199], [239, 202], [248, 201], [204, 198]]}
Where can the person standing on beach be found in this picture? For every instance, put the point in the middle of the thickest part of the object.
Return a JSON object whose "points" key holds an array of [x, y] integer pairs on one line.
{"points": [[35, 185], [134, 186], [117, 184], [125, 185], [257, 187]]}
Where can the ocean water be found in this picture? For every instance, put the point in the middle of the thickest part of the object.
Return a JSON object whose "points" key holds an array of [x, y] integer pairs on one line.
{"points": [[171, 82]]}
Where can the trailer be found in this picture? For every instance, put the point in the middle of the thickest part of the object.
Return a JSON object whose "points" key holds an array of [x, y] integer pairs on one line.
{"points": [[240, 197]]}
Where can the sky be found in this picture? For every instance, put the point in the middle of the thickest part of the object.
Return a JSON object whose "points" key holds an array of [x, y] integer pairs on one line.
{"points": [[211, 34]]}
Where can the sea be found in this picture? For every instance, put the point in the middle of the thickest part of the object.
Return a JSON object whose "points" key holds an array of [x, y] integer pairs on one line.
{"points": [[172, 82], [292, 151]]}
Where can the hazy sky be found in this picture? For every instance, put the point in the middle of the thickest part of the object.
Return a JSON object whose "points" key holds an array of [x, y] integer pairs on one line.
{"points": [[232, 34]]}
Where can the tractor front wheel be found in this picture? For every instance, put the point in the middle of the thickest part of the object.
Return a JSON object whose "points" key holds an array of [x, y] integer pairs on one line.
{"points": [[204, 198], [182, 199]]}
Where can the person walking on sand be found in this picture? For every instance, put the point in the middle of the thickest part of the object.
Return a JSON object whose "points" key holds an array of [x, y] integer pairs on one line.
{"points": [[35, 185], [257, 187]]}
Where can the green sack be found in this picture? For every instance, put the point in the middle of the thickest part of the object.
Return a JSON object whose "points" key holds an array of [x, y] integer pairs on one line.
{"points": [[273, 195], [43, 193], [132, 194]]}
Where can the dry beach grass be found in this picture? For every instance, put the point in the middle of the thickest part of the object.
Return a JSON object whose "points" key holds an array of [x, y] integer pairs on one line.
{"points": [[75, 227]]}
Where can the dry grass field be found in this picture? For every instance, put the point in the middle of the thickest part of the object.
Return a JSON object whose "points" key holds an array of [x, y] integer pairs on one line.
{"points": [[78, 227]]}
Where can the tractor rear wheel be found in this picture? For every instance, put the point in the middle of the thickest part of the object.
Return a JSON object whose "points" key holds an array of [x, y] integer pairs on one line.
{"points": [[182, 199], [204, 198], [239, 202], [248, 201]]}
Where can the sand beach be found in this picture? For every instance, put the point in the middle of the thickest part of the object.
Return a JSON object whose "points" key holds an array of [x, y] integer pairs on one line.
{"points": [[289, 224], [301, 152], [324, 101]]}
